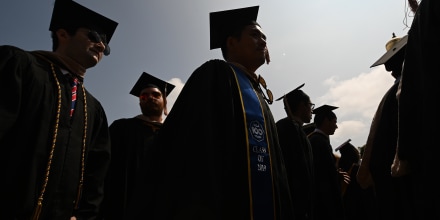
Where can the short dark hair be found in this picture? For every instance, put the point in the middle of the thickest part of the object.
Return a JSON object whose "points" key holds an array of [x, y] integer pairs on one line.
{"points": [[319, 118], [235, 32], [55, 42], [296, 98]]}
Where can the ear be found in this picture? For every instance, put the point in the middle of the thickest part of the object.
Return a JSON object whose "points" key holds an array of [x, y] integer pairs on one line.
{"points": [[231, 42], [62, 35]]}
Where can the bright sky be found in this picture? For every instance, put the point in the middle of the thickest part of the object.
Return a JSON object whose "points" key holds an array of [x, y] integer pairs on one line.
{"points": [[328, 45]]}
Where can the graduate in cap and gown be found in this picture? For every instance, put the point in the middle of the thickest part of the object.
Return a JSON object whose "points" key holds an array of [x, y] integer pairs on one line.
{"points": [[329, 203], [375, 169], [359, 204], [297, 151], [217, 154], [131, 140], [348, 160], [418, 148], [53, 132]]}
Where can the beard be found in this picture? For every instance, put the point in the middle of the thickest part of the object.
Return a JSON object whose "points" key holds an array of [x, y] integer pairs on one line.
{"points": [[151, 109]]}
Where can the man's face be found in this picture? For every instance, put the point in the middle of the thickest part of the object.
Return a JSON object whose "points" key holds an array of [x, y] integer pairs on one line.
{"points": [[151, 102], [332, 125], [83, 49], [250, 49], [307, 109], [395, 64]]}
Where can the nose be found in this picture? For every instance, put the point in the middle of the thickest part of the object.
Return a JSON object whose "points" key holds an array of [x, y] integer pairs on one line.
{"points": [[101, 46]]}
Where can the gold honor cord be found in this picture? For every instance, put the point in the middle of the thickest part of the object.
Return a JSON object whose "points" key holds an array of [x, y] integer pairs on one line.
{"points": [[83, 153], [37, 210]]}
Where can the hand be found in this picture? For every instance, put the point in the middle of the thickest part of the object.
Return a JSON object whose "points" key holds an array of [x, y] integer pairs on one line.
{"points": [[345, 177], [399, 167]]}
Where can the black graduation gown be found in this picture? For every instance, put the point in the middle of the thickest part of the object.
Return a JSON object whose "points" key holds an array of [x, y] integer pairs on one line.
{"points": [[200, 164], [359, 204], [384, 143], [418, 118], [329, 203], [298, 159], [131, 139], [388, 193], [28, 113]]}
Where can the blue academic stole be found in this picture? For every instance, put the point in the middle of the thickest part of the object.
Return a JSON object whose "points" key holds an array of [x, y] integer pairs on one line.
{"points": [[259, 161]]}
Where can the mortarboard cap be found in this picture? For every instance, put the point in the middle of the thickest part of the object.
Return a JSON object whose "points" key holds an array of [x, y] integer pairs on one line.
{"points": [[69, 14], [349, 155], [146, 80], [324, 109], [343, 145], [392, 46], [291, 93], [224, 23]]}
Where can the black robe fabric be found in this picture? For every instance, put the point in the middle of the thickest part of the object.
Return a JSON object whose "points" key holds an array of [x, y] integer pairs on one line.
{"points": [[359, 204], [384, 142], [200, 165], [418, 120], [298, 159], [28, 112], [329, 204], [388, 190], [131, 140]]}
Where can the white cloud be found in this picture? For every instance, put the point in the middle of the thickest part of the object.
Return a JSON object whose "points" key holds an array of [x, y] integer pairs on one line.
{"points": [[171, 98], [357, 99]]}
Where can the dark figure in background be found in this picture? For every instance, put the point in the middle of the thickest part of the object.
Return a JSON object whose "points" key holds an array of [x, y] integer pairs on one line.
{"points": [[131, 141], [418, 96], [375, 170], [217, 154], [297, 151], [55, 150], [359, 204], [309, 128], [329, 203]]}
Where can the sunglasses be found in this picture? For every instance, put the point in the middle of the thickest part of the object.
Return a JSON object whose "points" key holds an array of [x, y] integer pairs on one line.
{"points": [[99, 38], [269, 96]]}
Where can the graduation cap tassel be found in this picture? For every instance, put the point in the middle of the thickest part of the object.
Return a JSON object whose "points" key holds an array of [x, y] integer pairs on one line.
{"points": [[413, 4], [267, 56]]}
